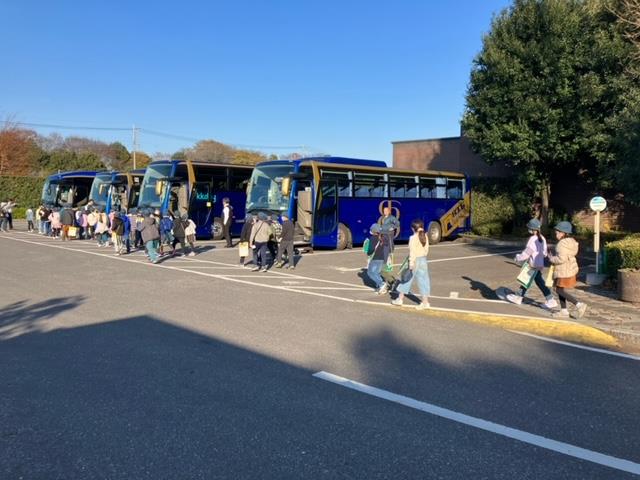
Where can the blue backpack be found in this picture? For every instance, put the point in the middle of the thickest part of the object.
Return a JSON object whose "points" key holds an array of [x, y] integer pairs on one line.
{"points": [[166, 225]]}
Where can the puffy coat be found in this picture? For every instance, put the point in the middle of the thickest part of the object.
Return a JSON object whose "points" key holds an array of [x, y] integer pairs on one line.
{"points": [[565, 258], [149, 230]]}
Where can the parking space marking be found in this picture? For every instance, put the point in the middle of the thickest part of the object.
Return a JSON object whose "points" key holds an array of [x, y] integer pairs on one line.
{"points": [[241, 279], [575, 345], [488, 426]]}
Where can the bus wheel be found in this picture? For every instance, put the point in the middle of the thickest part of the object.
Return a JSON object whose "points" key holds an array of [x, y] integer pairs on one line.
{"points": [[344, 237], [434, 232], [216, 229]]}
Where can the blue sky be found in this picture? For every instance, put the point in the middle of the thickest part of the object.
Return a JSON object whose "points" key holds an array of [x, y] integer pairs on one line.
{"points": [[340, 77]]}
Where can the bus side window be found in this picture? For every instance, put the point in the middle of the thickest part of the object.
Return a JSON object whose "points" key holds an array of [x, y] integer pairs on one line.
{"points": [[369, 185], [427, 188], [454, 189], [403, 187], [441, 187]]}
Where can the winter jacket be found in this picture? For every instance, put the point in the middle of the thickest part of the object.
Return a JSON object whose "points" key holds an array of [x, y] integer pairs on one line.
{"points": [[534, 253], [260, 232], [566, 265], [149, 230], [117, 226], [178, 227], [287, 231], [245, 234], [67, 217], [126, 224]]}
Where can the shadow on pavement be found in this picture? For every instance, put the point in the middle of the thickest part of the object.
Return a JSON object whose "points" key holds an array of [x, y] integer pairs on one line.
{"points": [[23, 317], [138, 397], [483, 288]]}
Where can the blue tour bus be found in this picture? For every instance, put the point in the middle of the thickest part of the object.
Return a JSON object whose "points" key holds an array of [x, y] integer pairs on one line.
{"points": [[197, 189], [67, 189], [333, 201], [116, 190]]}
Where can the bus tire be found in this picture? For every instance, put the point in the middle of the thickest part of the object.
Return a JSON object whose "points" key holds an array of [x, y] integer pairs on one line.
{"points": [[216, 229], [344, 237], [434, 232]]}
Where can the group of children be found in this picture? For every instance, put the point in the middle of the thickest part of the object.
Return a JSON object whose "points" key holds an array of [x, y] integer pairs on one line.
{"points": [[563, 263], [122, 231]]}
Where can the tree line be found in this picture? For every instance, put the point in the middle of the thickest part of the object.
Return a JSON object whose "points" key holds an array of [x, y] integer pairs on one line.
{"points": [[555, 94]]}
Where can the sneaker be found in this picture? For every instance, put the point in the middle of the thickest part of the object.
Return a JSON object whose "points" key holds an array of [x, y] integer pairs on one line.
{"points": [[255, 269], [155, 261], [264, 270], [551, 304], [423, 305], [279, 265], [397, 301], [191, 254], [290, 267], [513, 298], [383, 289], [579, 311], [563, 313]]}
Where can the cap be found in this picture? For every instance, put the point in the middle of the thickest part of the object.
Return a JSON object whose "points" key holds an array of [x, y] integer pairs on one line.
{"points": [[564, 227], [534, 224]]}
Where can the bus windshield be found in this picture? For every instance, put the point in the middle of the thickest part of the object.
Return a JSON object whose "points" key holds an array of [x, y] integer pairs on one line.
{"points": [[148, 195], [264, 190], [100, 189], [49, 191], [65, 195]]}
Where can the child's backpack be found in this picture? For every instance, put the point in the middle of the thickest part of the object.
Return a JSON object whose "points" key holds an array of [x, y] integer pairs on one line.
{"points": [[166, 225]]}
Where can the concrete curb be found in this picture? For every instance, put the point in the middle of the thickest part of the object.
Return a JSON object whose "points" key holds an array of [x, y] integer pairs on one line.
{"points": [[559, 329]]}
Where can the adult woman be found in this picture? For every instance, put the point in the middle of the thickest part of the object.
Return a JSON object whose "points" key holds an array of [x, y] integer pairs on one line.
{"points": [[418, 250]]}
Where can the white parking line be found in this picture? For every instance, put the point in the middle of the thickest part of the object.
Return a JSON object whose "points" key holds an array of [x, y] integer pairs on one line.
{"points": [[581, 347], [468, 257], [520, 435]]}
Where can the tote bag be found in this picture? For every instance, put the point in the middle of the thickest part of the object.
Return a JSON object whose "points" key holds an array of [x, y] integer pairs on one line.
{"points": [[526, 275], [243, 249]]}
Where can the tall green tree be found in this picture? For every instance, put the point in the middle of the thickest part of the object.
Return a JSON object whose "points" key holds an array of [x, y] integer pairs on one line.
{"points": [[546, 92]]}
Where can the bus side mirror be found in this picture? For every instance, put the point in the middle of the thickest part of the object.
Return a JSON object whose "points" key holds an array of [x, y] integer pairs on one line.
{"points": [[285, 187]]}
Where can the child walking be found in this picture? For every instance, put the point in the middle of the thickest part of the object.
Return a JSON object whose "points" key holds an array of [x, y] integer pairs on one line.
{"points": [[378, 252], [418, 251], [566, 271], [534, 253]]}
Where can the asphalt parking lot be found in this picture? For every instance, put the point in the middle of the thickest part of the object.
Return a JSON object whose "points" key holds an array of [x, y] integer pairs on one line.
{"points": [[197, 368]]}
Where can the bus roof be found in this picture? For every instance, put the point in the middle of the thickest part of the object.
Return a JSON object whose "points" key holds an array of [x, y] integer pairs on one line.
{"points": [[200, 164], [74, 174], [371, 165]]}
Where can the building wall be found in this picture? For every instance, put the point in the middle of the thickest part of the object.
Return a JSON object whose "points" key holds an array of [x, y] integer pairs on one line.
{"points": [[453, 154]]}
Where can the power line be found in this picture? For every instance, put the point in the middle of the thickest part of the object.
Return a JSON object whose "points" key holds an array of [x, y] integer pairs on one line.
{"points": [[191, 139], [68, 127], [153, 132]]}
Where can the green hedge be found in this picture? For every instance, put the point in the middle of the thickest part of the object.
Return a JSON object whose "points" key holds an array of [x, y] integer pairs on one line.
{"points": [[492, 214], [26, 192], [623, 253]]}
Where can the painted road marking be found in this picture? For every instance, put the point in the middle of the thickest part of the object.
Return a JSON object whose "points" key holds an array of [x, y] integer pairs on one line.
{"points": [[454, 295], [575, 345], [520, 435], [344, 269], [240, 279]]}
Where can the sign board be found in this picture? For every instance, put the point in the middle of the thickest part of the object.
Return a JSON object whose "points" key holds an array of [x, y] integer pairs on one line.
{"points": [[598, 204]]}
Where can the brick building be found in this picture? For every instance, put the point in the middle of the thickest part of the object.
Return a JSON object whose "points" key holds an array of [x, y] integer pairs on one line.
{"points": [[450, 153]]}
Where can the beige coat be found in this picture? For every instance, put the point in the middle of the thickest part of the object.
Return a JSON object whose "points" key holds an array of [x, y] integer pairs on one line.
{"points": [[565, 258]]}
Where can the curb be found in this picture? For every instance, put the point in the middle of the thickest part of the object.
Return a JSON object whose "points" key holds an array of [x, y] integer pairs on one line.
{"points": [[558, 329]]}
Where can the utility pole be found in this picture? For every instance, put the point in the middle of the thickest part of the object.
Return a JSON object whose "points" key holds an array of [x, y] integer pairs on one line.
{"points": [[135, 145]]}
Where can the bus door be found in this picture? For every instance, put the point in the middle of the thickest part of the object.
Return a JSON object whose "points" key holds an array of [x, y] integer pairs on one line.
{"points": [[201, 208], [325, 221]]}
